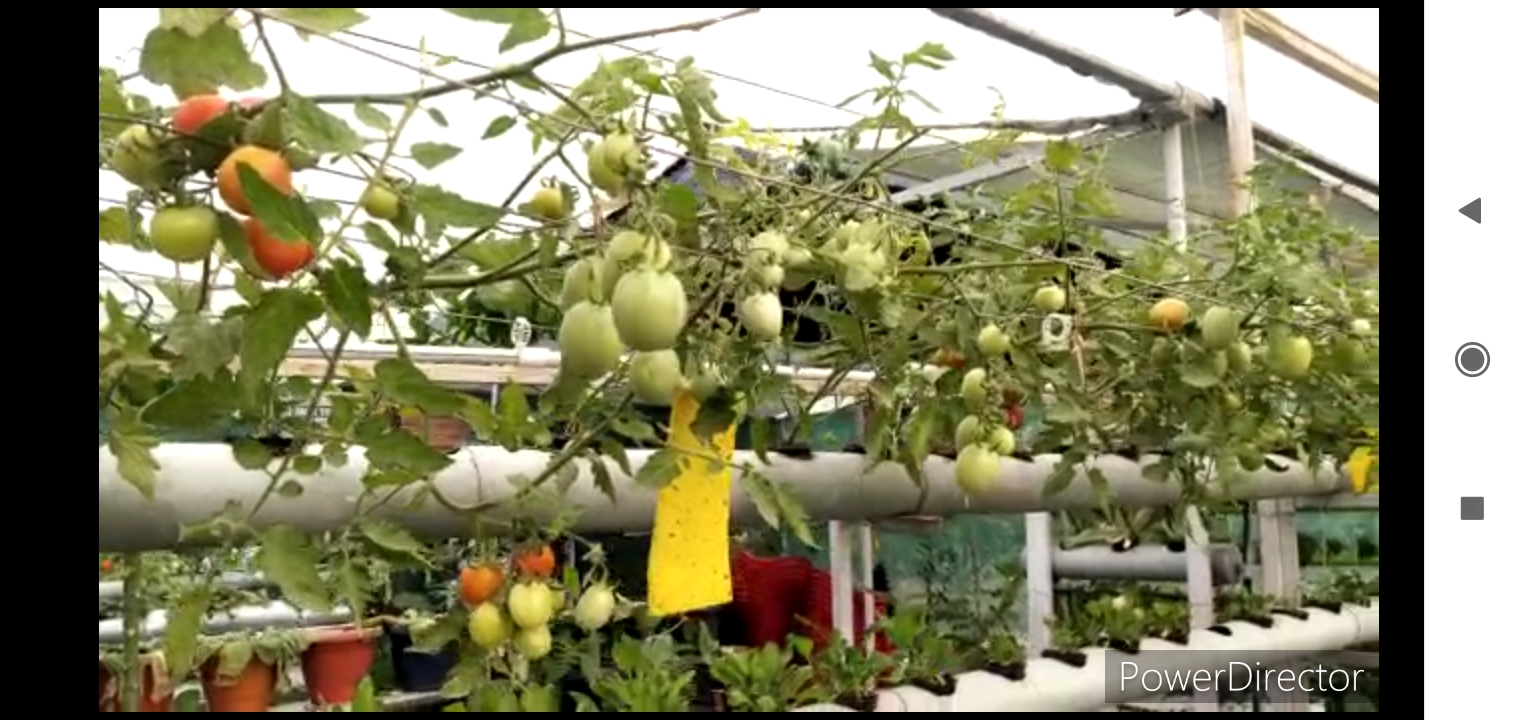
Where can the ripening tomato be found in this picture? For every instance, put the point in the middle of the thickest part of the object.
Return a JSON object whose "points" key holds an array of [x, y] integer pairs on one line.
{"points": [[195, 111], [945, 357], [267, 163], [275, 257], [106, 564], [479, 583], [536, 563]]}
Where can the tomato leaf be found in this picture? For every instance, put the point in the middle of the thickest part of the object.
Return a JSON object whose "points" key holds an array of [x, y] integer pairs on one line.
{"points": [[430, 154], [196, 64], [182, 629], [450, 210], [347, 293], [323, 21], [527, 24], [401, 381], [499, 127], [661, 468], [270, 328], [288, 558], [399, 450], [116, 226], [251, 454], [388, 535], [319, 130], [372, 117], [132, 443], [286, 217]]}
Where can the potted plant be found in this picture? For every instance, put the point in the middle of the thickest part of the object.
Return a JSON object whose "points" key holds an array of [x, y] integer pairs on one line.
{"points": [[335, 660], [1231, 605], [647, 677], [1070, 633], [923, 657], [1169, 620], [240, 671], [764, 679], [1122, 619], [420, 657], [156, 687], [848, 675], [1003, 655]]}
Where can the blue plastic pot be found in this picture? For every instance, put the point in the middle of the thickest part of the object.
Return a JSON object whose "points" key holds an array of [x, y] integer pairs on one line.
{"points": [[417, 671]]}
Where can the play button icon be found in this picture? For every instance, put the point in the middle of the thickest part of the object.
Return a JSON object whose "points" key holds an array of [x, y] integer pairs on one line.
{"points": [[1473, 211]]}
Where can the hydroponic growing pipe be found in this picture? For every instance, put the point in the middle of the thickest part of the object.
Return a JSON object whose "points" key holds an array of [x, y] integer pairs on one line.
{"points": [[275, 614], [111, 589], [1054, 686], [1155, 563], [196, 481]]}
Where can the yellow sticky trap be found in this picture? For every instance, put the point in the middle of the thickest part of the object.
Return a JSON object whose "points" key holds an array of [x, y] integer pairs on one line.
{"points": [[1359, 465], [688, 556]]}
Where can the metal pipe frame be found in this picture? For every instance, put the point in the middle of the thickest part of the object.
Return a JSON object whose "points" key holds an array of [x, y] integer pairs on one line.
{"points": [[196, 481]]}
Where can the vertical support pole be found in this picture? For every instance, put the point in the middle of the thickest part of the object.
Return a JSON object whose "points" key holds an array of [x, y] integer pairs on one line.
{"points": [[1200, 590], [867, 569], [1039, 550], [1242, 136], [842, 578], [1278, 520], [1200, 574]]}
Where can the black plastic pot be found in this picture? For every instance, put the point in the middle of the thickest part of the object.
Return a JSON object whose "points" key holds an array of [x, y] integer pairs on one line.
{"points": [[860, 703], [1072, 658], [1124, 646], [1292, 613], [1260, 621], [1013, 671], [418, 671], [1334, 607], [939, 686], [1221, 630]]}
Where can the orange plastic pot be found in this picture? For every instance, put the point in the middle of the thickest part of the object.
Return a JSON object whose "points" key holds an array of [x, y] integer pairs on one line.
{"points": [[109, 697], [249, 692], [335, 662]]}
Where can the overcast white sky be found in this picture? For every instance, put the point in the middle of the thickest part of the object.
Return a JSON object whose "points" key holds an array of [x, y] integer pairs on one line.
{"points": [[819, 54]]}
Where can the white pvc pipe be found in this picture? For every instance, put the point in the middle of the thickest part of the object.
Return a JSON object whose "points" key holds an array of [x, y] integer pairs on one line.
{"points": [[196, 481], [275, 614], [112, 589], [1054, 686], [1146, 562]]}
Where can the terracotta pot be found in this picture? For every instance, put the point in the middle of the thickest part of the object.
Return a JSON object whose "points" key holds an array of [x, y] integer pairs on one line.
{"points": [[444, 434], [248, 692], [148, 700], [337, 660]]}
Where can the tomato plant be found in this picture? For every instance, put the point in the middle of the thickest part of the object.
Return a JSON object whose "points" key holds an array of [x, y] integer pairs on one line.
{"points": [[1263, 341]]}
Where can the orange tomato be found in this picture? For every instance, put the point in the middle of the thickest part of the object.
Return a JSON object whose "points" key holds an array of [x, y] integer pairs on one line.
{"points": [[274, 257], [106, 564], [267, 163], [945, 357], [535, 563], [479, 583], [195, 111]]}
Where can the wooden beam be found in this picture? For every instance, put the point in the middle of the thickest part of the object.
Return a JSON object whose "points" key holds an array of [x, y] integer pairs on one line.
{"points": [[1268, 29]]}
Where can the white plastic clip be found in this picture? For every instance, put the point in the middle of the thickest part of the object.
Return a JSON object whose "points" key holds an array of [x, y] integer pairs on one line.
{"points": [[522, 333], [1055, 333]]}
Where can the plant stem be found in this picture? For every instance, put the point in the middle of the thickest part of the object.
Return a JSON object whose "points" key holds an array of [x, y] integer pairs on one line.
{"points": [[274, 60], [478, 233], [519, 70], [132, 612]]}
